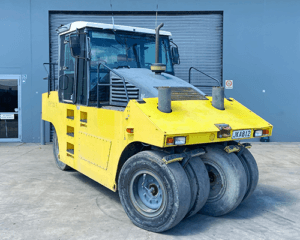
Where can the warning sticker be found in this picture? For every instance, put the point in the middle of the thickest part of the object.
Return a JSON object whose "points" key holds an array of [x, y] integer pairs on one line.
{"points": [[228, 84]]}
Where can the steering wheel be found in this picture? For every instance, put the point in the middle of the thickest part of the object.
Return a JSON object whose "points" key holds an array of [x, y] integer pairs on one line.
{"points": [[148, 65]]}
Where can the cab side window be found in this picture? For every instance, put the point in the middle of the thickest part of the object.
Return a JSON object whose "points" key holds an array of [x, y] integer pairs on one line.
{"points": [[66, 72], [72, 73]]}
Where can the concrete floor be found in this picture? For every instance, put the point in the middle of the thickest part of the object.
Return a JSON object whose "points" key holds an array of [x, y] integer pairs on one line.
{"points": [[38, 201]]}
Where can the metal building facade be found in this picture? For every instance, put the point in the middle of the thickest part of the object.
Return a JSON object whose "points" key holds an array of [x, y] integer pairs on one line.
{"points": [[259, 50], [197, 34]]}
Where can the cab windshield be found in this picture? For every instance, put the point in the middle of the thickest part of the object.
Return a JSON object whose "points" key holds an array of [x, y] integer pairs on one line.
{"points": [[122, 50], [127, 50]]}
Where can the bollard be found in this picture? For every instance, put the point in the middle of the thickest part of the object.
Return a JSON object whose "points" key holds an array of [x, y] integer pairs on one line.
{"points": [[218, 97], [164, 99]]}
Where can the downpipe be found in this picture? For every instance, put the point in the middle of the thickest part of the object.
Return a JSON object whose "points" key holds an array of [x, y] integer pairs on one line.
{"points": [[42, 131]]}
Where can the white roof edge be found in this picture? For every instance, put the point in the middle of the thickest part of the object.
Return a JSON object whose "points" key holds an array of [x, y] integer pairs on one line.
{"points": [[82, 24]]}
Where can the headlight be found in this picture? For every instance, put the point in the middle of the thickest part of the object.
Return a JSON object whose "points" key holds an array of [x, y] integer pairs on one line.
{"points": [[258, 133], [179, 140]]}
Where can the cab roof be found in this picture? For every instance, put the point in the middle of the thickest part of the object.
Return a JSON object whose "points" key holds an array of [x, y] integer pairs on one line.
{"points": [[81, 24]]}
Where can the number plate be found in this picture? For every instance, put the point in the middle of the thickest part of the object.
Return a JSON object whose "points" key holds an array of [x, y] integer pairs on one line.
{"points": [[241, 134]]}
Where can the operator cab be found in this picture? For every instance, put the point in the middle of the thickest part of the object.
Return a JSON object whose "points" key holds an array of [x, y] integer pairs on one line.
{"points": [[90, 52]]}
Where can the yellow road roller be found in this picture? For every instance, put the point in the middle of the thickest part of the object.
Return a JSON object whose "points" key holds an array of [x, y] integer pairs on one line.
{"points": [[122, 118]]}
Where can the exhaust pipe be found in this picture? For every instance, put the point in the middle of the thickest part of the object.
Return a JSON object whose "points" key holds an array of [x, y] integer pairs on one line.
{"points": [[164, 99], [157, 67], [157, 42], [218, 97]]}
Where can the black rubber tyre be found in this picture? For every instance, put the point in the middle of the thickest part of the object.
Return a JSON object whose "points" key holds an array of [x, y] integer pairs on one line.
{"points": [[228, 181], [62, 166], [200, 185], [155, 196], [251, 169]]}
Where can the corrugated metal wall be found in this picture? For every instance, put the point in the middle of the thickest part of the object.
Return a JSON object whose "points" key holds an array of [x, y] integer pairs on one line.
{"points": [[198, 36]]}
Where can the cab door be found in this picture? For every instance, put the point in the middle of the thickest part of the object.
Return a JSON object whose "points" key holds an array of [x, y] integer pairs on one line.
{"points": [[66, 78]]}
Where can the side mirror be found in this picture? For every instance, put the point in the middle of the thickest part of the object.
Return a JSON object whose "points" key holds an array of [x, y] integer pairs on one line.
{"points": [[175, 55], [75, 45]]}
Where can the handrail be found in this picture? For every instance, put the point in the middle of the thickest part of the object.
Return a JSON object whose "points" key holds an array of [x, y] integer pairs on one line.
{"points": [[111, 70], [204, 74], [48, 75]]}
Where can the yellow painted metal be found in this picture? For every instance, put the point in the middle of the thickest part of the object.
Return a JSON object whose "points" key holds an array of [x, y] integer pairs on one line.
{"points": [[161, 67], [196, 119], [173, 160], [91, 140], [232, 148]]}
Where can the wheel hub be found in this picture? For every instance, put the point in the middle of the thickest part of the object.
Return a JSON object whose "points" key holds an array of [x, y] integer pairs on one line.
{"points": [[147, 193], [154, 189], [212, 177], [216, 182]]}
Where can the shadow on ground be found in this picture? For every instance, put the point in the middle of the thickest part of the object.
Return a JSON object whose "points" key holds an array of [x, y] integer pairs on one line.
{"points": [[264, 199], [108, 201], [113, 196]]}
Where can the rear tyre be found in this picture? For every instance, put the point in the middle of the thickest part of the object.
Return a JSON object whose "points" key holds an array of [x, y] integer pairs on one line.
{"points": [[155, 196], [62, 166], [228, 181], [251, 170], [200, 185]]}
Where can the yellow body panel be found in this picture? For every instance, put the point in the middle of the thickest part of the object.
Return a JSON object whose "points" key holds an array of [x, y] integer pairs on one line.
{"points": [[196, 119], [91, 140]]}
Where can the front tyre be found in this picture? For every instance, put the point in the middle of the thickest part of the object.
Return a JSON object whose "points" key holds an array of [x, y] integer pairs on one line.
{"points": [[200, 185], [228, 181], [251, 169], [155, 196], [62, 166]]}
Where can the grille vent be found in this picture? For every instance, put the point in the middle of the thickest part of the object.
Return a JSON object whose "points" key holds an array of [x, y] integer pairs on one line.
{"points": [[117, 91], [185, 93]]}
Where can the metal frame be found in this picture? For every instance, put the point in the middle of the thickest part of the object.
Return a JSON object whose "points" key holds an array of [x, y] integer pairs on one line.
{"points": [[88, 75], [99, 84], [19, 78], [58, 72], [74, 100], [152, 13], [219, 82]]}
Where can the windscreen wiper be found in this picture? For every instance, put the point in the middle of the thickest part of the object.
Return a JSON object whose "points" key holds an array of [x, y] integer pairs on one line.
{"points": [[136, 55], [117, 40], [123, 66], [166, 55]]}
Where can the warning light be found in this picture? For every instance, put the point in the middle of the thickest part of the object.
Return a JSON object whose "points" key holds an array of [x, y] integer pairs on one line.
{"points": [[129, 130], [170, 141], [265, 132]]}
